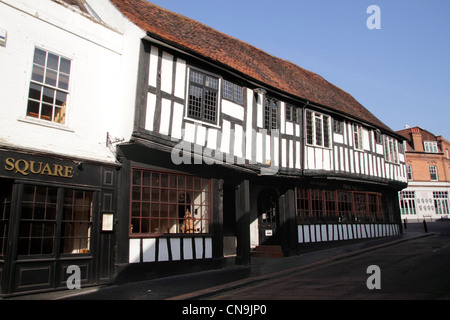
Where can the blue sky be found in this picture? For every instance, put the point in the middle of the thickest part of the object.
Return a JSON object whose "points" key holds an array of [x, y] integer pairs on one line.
{"points": [[401, 72]]}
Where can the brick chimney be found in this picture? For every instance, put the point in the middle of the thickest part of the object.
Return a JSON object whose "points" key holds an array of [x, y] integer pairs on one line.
{"points": [[417, 139]]}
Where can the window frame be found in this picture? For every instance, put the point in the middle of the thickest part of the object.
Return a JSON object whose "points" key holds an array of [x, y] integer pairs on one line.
{"points": [[430, 147], [311, 131], [433, 172], [202, 117], [201, 212], [391, 153], [59, 105], [358, 141], [237, 92], [27, 235], [271, 113]]}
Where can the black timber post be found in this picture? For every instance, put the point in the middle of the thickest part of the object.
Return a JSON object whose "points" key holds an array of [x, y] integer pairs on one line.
{"points": [[217, 218], [287, 224], [243, 255]]}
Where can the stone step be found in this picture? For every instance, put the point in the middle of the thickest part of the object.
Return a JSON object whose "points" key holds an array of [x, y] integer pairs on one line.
{"points": [[267, 252]]}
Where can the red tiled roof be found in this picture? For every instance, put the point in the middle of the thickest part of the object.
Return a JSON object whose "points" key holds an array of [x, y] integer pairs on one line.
{"points": [[242, 57]]}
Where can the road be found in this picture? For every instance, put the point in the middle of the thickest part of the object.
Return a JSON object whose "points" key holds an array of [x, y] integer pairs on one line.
{"points": [[414, 269]]}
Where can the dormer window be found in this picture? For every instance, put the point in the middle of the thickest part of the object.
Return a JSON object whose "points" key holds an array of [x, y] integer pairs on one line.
{"points": [[431, 146]]}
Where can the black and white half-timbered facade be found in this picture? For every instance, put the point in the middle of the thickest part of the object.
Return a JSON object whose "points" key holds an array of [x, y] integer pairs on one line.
{"points": [[234, 149]]}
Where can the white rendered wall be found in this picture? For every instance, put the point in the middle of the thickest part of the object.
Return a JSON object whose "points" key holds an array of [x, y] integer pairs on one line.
{"points": [[98, 70]]}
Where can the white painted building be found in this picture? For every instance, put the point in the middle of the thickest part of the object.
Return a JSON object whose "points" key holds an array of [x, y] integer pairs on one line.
{"points": [[68, 88]]}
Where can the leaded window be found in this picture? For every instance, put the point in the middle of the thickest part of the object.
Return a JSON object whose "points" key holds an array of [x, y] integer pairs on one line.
{"points": [[203, 97]]}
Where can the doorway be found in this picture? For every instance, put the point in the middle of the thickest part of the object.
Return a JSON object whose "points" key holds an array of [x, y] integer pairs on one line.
{"points": [[268, 219], [229, 220]]}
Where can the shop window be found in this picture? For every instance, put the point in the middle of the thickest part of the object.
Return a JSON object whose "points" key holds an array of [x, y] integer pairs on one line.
{"points": [[40, 215], [441, 205], [168, 203], [49, 87], [37, 221], [408, 202], [76, 221], [5, 208], [326, 206]]}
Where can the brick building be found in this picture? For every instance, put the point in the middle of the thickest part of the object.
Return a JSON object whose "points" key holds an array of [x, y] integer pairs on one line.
{"points": [[428, 170]]}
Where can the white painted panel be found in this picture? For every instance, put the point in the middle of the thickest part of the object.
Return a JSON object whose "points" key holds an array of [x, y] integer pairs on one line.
{"points": [[306, 233], [366, 164], [175, 246], [319, 158], [312, 231], [249, 128], [238, 141], [359, 232], [165, 116], [300, 233], [297, 155], [150, 113], [370, 165], [149, 250], [225, 143], [350, 135], [167, 72], [233, 110], [187, 249], [180, 79], [341, 232], [335, 232], [153, 70], [268, 146], [317, 233], [212, 139], [189, 132], [324, 232], [344, 232], [163, 254], [349, 231], [330, 232], [347, 164], [259, 112], [336, 158], [326, 159], [310, 157], [357, 165], [276, 151], [352, 162], [201, 135], [282, 117], [283, 153], [208, 248], [291, 154], [297, 130], [259, 147], [365, 138], [177, 121], [198, 248], [289, 128], [135, 251], [341, 158], [339, 138]]}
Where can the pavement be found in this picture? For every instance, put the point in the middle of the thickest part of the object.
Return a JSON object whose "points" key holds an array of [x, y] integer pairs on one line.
{"points": [[200, 285]]}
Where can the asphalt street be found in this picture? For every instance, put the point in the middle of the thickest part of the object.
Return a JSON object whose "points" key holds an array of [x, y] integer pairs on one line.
{"points": [[409, 270]]}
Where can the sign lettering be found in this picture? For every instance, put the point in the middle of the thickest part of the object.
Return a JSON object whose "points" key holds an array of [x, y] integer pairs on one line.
{"points": [[25, 168]]}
